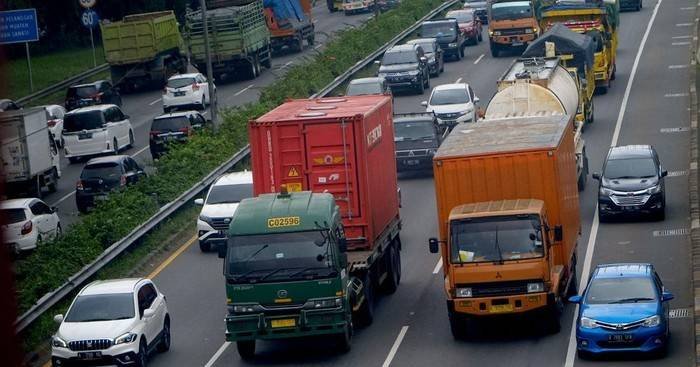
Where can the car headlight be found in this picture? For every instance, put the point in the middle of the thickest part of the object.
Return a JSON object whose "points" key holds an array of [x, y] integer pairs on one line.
{"points": [[652, 321], [57, 342], [463, 292], [324, 303], [205, 219], [126, 338], [382, 75], [606, 192], [413, 72], [243, 308], [535, 287], [452, 45], [432, 151], [654, 189], [588, 323], [431, 60]]}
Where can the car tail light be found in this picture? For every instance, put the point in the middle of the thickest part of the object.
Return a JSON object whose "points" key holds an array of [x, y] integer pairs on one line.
{"points": [[122, 180], [195, 86], [79, 185], [185, 130], [154, 133], [97, 97], [51, 123], [165, 90], [27, 227]]}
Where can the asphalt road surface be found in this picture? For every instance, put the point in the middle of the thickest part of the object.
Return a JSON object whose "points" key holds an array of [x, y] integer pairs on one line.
{"points": [[646, 102], [143, 107]]}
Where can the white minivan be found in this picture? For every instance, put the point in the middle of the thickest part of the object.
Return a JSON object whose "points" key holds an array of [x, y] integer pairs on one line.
{"points": [[94, 130]]}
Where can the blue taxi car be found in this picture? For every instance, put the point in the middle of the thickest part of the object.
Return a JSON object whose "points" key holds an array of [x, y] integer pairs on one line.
{"points": [[624, 308]]}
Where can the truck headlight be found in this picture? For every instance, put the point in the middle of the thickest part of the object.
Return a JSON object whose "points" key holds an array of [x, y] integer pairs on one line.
{"points": [[57, 342], [463, 292], [654, 189], [528, 30], [243, 308], [452, 45], [126, 338], [652, 321], [324, 303], [495, 33], [535, 287], [588, 323]]}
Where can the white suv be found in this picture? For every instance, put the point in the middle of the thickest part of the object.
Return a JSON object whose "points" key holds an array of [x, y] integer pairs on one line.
{"points": [[220, 205], [96, 130], [452, 104], [112, 322], [187, 90], [27, 223]]}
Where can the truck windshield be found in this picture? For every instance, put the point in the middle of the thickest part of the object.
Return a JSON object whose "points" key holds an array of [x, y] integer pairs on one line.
{"points": [[496, 239], [511, 10], [269, 257], [436, 30], [413, 130]]}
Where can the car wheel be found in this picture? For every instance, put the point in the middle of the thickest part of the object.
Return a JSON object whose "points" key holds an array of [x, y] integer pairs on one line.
{"points": [[442, 66], [131, 139], [419, 87], [246, 349], [164, 344], [59, 231], [660, 214], [142, 356], [602, 217], [480, 38], [115, 147], [426, 85], [202, 105], [204, 247]]}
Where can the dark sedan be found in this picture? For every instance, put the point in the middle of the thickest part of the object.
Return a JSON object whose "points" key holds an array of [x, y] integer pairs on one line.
{"points": [[433, 52]]}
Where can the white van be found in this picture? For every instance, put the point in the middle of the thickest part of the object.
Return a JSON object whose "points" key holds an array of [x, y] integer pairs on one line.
{"points": [[101, 129]]}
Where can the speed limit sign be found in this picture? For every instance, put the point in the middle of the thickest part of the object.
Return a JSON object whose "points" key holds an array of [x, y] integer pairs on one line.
{"points": [[87, 4]]}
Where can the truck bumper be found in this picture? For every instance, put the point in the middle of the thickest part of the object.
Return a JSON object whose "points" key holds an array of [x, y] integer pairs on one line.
{"points": [[306, 323], [414, 163], [514, 40], [519, 303]]}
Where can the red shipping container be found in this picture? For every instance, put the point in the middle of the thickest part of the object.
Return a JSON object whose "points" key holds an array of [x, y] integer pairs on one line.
{"points": [[344, 146]]}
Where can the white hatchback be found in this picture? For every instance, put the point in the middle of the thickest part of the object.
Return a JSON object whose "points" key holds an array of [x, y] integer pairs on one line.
{"points": [[28, 222], [112, 322], [452, 104], [100, 129], [220, 205], [186, 90]]}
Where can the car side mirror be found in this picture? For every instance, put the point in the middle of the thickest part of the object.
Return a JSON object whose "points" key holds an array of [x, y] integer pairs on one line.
{"points": [[126, 117], [596, 176], [423, 59], [341, 94], [476, 100], [433, 245], [54, 209], [343, 245], [666, 296], [558, 233], [199, 201], [58, 318], [664, 173], [221, 250], [575, 299], [424, 103], [148, 313], [377, 62]]}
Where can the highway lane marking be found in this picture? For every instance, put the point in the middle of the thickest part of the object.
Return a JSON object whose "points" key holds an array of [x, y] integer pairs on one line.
{"points": [[678, 313], [681, 37], [154, 102], [287, 64], [141, 151], [688, 8], [395, 347], [171, 258], [678, 66], [438, 266], [671, 232], [243, 90], [458, 80], [590, 246], [63, 198], [670, 130], [675, 95], [318, 46], [677, 173], [218, 354], [683, 24], [479, 59], [680, 43]]}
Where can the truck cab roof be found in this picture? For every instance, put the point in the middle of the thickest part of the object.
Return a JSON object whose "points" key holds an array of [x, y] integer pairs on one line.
{"points": [[278, 212], [497, 208]]}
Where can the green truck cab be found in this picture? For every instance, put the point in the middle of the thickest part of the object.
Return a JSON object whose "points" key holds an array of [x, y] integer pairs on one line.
{"points": [[286, 271]]}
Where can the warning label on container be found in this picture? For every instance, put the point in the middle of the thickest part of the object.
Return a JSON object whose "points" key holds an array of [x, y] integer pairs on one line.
{"points": [[294, 186], [293, 172]]}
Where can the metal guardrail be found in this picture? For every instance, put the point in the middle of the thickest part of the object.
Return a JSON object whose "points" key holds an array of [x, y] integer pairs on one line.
{"points": [[75, 281], [63, 84]]}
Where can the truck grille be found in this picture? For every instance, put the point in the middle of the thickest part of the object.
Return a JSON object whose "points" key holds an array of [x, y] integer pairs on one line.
{"points": [[220, 224], [512, 32], [630, 200], [412, 153], [94, 344], [498, 289]]}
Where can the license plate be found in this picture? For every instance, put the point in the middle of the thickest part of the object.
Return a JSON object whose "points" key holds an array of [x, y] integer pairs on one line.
{"points": [[631, 208], [501, 308], [179, 94], [412, 162], [517, 44], [620, 338], [283, 323], [90, 355], [84, 136]]}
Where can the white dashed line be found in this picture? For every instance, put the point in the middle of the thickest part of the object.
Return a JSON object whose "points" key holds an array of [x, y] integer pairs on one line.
{"points": [[678, 66], [154, 102], [438, 266], [243, 90], [140, 151], [671, 130], [688, 8], [672, 232], [675, 95], [218, 354], [479, 59], [317, 47], [63, 198], [680, 43], [683, 24], [395, 347], [458, 80]]}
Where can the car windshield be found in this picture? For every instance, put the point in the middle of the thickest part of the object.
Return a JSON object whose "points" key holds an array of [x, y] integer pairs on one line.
{"points": [[102, 307], [224, 194], [356, 89], [496, 239], [630, 168], [180, 82], [511, 10], [397, 57], [11, 216], [449, 96], [427, 47], [434, 30], [101, 170], [413, 130], [87, 91], [461, 16], [260, 258], [88, 120], [620, 290], [174, 123]]}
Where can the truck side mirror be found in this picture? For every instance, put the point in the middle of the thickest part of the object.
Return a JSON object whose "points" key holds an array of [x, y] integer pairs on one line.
{"points": [[221, 250], [558, 233], [433, 245], [343, 245]]}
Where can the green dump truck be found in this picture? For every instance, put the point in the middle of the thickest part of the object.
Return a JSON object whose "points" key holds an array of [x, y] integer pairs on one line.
{"points": [[238, 37], [143, 49]]}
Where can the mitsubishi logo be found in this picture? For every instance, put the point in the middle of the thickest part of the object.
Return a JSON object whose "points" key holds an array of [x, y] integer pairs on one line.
{"points": [[410, 153], [282, 293], [498, 275]]}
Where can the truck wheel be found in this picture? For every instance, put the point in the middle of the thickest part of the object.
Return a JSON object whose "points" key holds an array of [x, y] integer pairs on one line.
{"points": [[365, 314], [344, 340], [494, 49], [573, 285], [246, 349], [458, 325], [613, 76], [267, 59], [37, 189], [602, 90], [330, 5], [298, 44], [131, 139], [393, 269], [312, 39], [550, 322]]}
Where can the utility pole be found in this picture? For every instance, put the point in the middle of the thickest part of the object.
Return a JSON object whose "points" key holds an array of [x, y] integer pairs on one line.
{"points": [[210, 73]]}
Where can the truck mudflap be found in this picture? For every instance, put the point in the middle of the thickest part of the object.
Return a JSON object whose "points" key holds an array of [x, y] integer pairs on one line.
{"points": [[295, 324]]}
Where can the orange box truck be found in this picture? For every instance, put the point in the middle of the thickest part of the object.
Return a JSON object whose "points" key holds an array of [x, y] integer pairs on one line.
{"points": [[509, 220]]}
